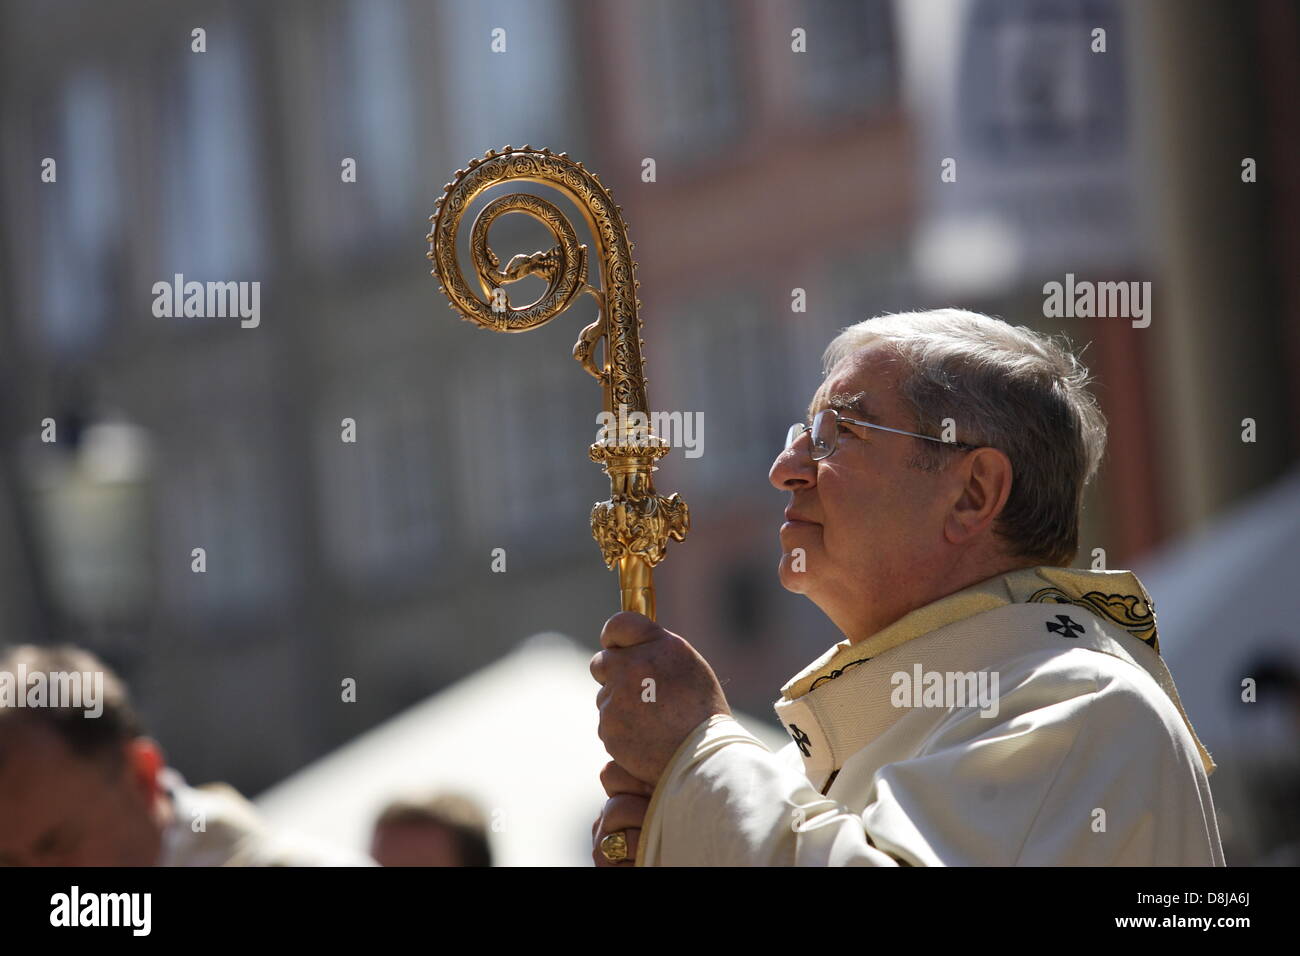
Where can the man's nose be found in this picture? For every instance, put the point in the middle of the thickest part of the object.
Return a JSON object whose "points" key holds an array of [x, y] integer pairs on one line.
{"points": [[794, 467]]}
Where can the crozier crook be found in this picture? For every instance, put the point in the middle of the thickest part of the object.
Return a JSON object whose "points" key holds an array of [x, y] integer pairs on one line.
{"points": [[634, 525]]}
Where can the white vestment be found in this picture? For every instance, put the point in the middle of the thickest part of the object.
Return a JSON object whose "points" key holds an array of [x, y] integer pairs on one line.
{"points": [[213, 825], [1084, 758]]}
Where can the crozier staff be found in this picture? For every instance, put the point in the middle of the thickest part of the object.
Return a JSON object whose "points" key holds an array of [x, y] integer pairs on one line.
{"points": [[933, 554]]}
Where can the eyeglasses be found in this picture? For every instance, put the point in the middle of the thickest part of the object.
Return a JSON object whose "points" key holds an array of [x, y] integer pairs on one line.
{"points": [[826, 432]]}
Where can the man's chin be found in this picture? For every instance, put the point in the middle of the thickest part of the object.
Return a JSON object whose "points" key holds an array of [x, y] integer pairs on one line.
{"points": [[792, 579]]}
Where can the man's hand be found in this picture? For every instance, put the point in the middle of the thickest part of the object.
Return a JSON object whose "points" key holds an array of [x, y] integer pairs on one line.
{"points": [[655, 690], [625, 810]]}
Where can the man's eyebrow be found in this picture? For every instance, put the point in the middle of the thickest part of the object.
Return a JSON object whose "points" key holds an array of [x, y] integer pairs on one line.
{"points": [[856, 404]]}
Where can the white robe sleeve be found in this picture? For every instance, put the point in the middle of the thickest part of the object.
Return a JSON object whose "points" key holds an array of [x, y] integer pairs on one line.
{"points": [[726, 800], [1084, 764]]}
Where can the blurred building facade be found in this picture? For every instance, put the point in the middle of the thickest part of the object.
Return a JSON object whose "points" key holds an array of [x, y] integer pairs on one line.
{"points": [[776, 171]]}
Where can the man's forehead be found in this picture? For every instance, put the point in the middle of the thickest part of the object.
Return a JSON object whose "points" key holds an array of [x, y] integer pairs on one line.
{"points": [[860, 386], [28, 742]]}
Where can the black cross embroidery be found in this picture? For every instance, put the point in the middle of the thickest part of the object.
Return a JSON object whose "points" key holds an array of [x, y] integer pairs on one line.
{"points": [[1067, 627], [800, 738]]}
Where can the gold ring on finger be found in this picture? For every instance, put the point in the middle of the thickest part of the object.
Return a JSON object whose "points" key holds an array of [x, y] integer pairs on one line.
{"points": [[614, 846]]}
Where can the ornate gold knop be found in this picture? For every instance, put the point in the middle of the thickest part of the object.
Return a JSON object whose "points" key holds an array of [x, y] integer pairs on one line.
{"points": [[633, 527]]}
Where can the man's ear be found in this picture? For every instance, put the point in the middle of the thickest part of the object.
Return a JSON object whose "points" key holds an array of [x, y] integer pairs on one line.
{"points": [[144, 760], [985, 476]]}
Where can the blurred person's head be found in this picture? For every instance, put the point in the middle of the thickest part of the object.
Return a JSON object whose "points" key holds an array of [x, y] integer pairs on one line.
{"points": [[446, 829], [78, 780], [888, 522]]}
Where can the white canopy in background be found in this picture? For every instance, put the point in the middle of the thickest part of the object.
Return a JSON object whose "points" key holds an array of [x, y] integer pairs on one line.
{"points": [[1225, 599], [519, 736], [1228, 605]]}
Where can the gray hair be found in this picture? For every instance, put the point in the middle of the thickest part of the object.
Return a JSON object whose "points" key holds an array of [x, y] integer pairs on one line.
{"points": [[1006, 387]]}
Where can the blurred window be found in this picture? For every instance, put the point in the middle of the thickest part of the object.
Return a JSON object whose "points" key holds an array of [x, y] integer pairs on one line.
{"points": [[689, 76], [213, 214], [358, 103], [378, 110], [850, 64], [381, 494], [80, 224], [218, 494], [1032, 84], [738, 377], [526, 94], [522, 434]]}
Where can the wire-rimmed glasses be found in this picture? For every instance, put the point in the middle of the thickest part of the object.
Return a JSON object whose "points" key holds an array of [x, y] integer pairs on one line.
{"points": [[825, 430]]}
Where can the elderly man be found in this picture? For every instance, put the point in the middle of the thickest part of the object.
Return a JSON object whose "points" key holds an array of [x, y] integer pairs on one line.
{"points": [[80, 784], [987, 706]]}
